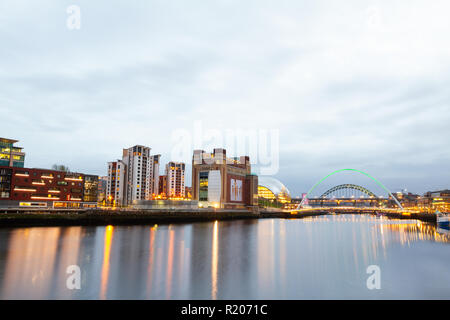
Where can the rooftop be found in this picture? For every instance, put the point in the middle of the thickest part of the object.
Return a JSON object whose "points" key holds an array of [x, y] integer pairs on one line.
{"points": [[6, 140]]}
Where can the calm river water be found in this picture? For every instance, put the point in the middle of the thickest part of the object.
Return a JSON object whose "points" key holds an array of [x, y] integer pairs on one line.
{"points": [[315, 258]]}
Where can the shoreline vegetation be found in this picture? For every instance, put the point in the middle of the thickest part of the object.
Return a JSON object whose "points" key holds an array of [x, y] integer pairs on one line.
{"points": [[99, 217]]}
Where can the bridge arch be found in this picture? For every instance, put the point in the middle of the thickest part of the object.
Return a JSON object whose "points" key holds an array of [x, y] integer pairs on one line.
{"points": [[354, 170], [348, 186]]}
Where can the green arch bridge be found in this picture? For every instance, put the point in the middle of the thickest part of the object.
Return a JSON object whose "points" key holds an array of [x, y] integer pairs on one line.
{"points": [[364, 190]]}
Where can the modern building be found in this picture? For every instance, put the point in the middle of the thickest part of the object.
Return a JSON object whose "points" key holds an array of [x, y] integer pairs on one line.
{"points": [[137, 159], [134, 178], [272, 193], [116, 183], [26, 187], [90, 188], [102, 187], [175, 175], [154, 176], [406, 199], [10, 155], [435, 200], [222, 182], [162, 187], [188, 192]]}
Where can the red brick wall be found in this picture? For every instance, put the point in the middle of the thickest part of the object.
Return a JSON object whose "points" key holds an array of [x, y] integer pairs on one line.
{"points": [[73, 189]]}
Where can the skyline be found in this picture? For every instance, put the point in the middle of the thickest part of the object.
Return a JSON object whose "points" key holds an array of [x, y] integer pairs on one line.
{"points": [[357, 85]]}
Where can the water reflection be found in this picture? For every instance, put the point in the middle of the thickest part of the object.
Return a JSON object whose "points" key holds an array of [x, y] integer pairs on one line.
{"points": [[106, 253], [315, 258], [214, 259]]}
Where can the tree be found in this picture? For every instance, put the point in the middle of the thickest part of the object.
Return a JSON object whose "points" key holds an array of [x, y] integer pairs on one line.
{"points": [[60, 167]]}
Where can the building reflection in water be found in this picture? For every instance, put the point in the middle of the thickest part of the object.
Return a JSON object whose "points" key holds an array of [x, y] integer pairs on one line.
{"points": [[37, 261], [244, 259], [214, 259], [106, 256], [151, 259]]}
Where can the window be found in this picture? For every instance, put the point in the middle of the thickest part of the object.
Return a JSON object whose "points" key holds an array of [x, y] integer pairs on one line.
{"points": [[203, 189]]}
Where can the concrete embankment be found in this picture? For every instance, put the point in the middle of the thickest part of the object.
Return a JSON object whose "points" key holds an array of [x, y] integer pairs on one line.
{"points": [[99, 217], [116, 217], [426, 217]]}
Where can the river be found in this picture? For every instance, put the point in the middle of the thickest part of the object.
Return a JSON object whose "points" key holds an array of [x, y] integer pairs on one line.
{"points": [[324, 257]]}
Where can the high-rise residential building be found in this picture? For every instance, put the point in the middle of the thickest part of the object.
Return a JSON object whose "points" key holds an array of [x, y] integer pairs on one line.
{"points": [[222, 182], [135, 177], [10, 155], [175, 179], [116, 185], [153, 173], [162, 186], [137, 159]]}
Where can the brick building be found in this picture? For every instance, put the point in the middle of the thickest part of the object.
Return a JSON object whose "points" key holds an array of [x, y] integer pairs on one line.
{"points": [[22, 187], [222, 182]]}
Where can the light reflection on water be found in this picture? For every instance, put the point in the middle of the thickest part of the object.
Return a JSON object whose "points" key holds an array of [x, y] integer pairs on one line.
{"points": [[313, 258]]}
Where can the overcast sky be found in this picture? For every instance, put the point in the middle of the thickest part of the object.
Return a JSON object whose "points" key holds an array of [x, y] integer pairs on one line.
{"points": [[347, 84]]}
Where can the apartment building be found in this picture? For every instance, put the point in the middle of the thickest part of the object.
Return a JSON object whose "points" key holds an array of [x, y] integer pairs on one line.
{"points": [[134, 178], [175, 184]]}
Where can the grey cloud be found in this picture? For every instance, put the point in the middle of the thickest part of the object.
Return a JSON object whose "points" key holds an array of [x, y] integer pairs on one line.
{"points": [[341, 93]]}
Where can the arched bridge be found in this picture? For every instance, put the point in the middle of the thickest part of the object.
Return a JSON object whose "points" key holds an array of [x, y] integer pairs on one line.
{"points": [[351, 186], [348, 187]]}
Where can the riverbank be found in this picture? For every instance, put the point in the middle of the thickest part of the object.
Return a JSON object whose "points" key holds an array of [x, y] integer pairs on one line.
{"points": [[116, 217], [100, 217]]}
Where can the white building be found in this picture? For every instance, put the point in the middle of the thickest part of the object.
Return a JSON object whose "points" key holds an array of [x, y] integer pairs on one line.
{"points": [[153, 176], [175, 179], [139, 175], [116, 183]]}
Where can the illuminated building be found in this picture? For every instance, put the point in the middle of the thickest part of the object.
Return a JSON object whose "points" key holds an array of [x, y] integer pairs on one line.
{"points": [[162, 190], [222, 182], [175, 183], [135, 177], [22, 187], [154, 176], [116, 184], [188, 192], [435, 200], [10, 155], [266, 193], [406, 199], [102, 187], [272, 192], [138, 182], [90, 188]]}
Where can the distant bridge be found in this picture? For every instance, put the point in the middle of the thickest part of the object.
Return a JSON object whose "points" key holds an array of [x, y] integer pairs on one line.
{"points": [[397, 212], [348, 187], [353, 187]]}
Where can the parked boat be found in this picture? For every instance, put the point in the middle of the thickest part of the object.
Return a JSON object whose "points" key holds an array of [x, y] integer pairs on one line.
{"points": [[442, 220]]}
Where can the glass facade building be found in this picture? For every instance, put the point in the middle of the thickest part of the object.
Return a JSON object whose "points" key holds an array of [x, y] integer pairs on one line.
{"points": [[10, 155]]}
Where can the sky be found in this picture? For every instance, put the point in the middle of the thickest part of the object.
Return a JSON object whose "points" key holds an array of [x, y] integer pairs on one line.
{"points": [[331, 84]]}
